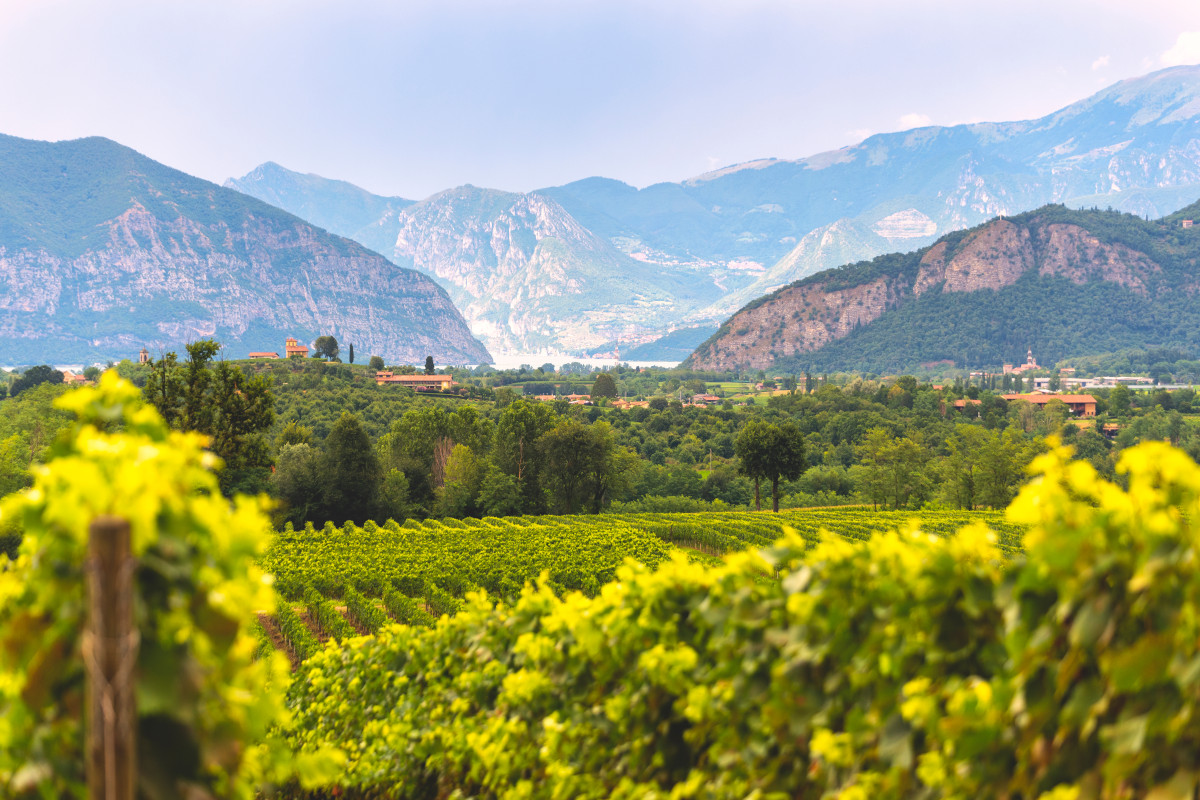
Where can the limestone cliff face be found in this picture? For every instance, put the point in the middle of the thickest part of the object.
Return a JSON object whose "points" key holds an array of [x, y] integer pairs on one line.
{"points": [[991, 258], [1000, 253], [795, 320], [1072, 252], [810, 314], [185, 259], [527, 275]]}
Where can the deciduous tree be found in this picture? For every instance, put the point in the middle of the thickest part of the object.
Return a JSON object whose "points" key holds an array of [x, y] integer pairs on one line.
{"points": [[463, 474], [604, 386], [35, 376], [298, 483], [516, 452], [498, 494], [326, 347], [770, 451], [231, 408]]}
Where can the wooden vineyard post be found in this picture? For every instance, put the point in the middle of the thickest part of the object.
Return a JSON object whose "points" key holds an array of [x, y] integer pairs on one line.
{"points": [[110, 648]]}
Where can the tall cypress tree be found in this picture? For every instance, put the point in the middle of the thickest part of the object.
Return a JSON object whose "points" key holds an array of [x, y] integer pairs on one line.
{"points": [[351, 471]]}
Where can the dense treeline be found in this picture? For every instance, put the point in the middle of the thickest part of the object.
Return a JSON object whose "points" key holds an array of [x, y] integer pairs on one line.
{"points": [[330, 445], [889, 444]]}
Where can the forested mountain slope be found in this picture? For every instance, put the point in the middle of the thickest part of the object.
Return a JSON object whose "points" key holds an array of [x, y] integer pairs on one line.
{"points": [[104, 251], [1059, 281]]}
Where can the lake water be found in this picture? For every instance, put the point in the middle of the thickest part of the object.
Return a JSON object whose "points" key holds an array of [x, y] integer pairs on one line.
{"points": [[535, 360]]}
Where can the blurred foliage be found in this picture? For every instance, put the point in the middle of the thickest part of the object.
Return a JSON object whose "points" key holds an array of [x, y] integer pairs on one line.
{"points": [[204, 705]]}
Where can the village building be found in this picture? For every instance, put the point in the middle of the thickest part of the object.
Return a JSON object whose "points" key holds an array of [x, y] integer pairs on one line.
{"points": [[144, 356], [574, 399], [294, 349], [1029, 365], [1083, 405], [705, 399], [73, 378], [418, 382], [264, 355]]}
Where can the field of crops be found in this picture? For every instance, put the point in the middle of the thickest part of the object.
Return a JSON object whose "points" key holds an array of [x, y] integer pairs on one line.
{"points": [[338, 582]]}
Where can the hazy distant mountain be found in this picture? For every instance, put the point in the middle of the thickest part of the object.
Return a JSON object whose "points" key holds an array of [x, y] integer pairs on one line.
{"points": [[528, 276], [1133, 146], [337, 206], [104, 251], [675, 346], [1060, 281], [742, 231]]}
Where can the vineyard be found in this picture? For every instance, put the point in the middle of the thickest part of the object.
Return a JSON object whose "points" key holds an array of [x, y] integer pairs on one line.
{"points": [[894, 665], [1055, 655], [339, 582]]}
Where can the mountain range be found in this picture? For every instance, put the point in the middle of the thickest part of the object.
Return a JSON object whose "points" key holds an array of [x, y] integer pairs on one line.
{"points": [[1057, 281], [597, 262], [104, 251]]}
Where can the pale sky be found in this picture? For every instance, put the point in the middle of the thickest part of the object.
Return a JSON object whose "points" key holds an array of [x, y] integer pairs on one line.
{"points": [[407, 97]]}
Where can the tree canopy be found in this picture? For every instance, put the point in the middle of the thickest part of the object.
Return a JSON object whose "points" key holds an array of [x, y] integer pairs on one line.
{"points": [[604, 386], [230, 407], [35, 376], [767, 450], [326, 347]]}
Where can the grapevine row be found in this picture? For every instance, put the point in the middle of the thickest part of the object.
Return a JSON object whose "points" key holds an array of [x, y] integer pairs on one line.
{"points": [[442, 560], [298, 638]]}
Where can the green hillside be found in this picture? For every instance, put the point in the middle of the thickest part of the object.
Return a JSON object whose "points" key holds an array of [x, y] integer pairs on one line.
{"points": [[1135, 287]]}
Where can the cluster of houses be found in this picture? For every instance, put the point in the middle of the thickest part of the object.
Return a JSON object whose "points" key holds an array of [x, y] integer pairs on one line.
{"points": [[1081, 405], [620, 403], [1029, 366], [420, 382], [293, 349]]}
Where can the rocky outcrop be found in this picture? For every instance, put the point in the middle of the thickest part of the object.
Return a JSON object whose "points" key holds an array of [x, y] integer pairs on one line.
{"points": [[1073, 253], [796, 320], [991, 258], [811, 314]]}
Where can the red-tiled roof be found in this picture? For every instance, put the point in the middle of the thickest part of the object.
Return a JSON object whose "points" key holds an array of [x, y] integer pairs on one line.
{"points": [[415, 378], [1046, 398]]}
